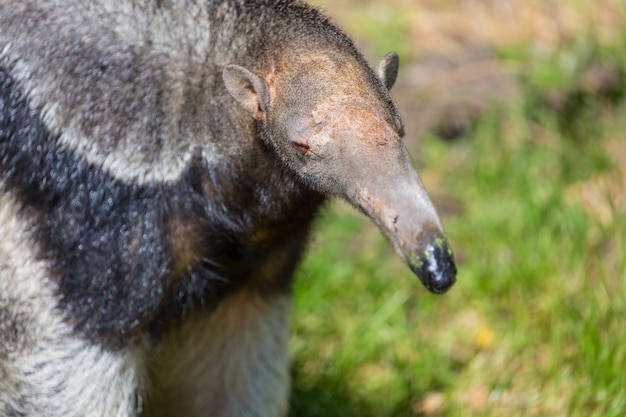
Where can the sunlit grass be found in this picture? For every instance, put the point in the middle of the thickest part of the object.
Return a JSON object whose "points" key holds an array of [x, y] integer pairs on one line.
{"points": [[534, 326]]}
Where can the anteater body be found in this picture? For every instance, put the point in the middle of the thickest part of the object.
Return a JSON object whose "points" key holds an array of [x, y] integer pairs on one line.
{"points": [[161, 163]]}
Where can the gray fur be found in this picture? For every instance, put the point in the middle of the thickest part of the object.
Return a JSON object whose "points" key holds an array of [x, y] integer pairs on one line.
{"points": [[387, 69], [147, 94]]}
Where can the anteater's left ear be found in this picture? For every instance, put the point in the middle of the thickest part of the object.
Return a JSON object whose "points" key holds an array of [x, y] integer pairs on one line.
{"points": [[387, 69], [249, 89]]}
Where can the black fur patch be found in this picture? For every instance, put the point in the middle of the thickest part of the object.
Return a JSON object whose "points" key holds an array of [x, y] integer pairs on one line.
{"points": [[113, 245]]}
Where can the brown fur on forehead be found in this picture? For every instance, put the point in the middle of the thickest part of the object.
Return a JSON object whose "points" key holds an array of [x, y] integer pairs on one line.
{"points": [[330, 80], [332, 117], [314, 74]]}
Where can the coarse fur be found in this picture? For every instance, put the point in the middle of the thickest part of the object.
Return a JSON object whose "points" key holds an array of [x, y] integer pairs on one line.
{"points": [[161, 163]]}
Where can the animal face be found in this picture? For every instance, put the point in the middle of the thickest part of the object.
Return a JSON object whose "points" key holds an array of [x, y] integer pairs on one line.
{"points": [[333, 123]]}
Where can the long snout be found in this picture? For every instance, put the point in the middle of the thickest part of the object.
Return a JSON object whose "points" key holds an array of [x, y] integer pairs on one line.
{"points": [[395, 199]]}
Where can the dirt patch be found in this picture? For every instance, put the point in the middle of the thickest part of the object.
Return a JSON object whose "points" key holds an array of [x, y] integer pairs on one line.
{"points": [[603, 196], [445, 93], [450, 71]]}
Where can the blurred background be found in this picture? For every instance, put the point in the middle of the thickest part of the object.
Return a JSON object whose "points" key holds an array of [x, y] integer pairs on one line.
{"points": [[515, 114]]}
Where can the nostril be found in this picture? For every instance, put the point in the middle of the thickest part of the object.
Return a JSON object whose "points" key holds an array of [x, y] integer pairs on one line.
{"points": [[436, 268], [441, 271]]}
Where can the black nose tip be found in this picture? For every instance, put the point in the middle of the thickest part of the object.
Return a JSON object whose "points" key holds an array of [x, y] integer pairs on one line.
{"points": [[436, 268], [439, 272]]}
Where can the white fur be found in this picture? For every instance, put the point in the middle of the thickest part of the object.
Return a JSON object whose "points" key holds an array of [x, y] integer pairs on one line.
{"points": [[233, 363]]}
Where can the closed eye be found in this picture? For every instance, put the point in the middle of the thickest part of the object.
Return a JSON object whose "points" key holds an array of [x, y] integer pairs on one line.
{"points": [[301, 148]]}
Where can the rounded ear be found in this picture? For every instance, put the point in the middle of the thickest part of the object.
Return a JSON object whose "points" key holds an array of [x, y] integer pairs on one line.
{"points": [[248, 89], [387, 69]]}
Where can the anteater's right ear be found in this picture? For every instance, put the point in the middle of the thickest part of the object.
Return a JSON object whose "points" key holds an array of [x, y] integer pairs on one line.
{"points": [[248, 89], [387, 69]]}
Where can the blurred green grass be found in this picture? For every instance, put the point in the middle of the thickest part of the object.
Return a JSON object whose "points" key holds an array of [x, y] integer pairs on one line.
{"points": [[534, 326]]}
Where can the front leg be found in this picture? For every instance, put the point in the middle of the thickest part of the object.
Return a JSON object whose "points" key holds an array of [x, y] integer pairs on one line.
{"points": [[46, 368], [232, 362], [61, 376]]}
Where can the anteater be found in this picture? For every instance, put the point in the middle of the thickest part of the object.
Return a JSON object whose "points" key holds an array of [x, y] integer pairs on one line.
{"points": [[161, 162]]}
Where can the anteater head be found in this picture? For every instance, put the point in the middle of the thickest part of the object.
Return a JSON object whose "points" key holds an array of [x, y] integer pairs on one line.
{"points": [[330, 119]]}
